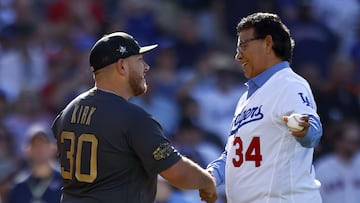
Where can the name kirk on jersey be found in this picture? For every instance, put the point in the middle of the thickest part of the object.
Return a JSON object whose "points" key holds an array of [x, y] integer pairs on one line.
{"points": [[246, 116], [82, 114]]}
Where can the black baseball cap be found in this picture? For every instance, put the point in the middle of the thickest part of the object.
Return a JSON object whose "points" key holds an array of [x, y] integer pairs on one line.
{"points": [[113, 47]]}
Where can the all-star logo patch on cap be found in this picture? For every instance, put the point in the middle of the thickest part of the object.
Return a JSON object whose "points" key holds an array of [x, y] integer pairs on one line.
{"points": [[113, 47]]}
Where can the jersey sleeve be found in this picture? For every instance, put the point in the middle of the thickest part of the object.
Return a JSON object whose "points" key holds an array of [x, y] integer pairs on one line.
{"points": [[298, 98], [218, 168], [154, 150]]}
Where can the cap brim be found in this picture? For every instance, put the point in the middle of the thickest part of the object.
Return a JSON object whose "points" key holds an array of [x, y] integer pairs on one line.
{"points": [[145, 49]]}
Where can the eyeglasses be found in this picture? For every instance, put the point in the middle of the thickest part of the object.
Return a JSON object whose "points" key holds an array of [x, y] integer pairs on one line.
{"points": [[241, 44]]}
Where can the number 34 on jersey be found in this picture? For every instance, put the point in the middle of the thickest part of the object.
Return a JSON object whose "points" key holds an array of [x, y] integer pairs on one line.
{"points": [[243, 153]]}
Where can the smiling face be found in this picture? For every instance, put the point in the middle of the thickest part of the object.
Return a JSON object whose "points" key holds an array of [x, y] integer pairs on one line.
{"points": [[251, 52]]}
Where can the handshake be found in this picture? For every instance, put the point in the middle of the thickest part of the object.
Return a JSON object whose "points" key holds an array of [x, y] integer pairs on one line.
{"points": [[187, 175], [209, 194]]}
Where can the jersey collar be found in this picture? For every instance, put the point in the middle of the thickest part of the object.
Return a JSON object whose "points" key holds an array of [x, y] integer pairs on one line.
{"points": [[258, 81]]}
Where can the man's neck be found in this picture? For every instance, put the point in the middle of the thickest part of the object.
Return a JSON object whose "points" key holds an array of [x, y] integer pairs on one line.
{"points": [[115, 91]]}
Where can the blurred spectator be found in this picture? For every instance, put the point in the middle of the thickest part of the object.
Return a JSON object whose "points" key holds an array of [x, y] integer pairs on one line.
{"points": [[234, 11], [191, 140], [338, 171], [288, 10], [41, 183], [140, 20], [312, 73], [217, 100], [67, 66], [167, 15], [163, 108], [340, 98], [189, 109], [24, 10], [8, 161], [7, 13], [200, 79], [190, 112], [164, 71], [189, 45], [63, 11], [4, 108], [7, 153], [355, 52], [341, 17], [22, 62], [27, 110], [212, 27], [313, 40]]}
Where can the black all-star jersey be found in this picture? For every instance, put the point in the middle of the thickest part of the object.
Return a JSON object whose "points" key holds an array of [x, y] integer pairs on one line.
{"points": [[110, 150]]}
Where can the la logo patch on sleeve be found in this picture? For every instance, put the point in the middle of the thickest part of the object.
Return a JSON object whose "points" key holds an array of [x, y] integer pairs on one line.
{"points": [[305, 99], [164, 150]]}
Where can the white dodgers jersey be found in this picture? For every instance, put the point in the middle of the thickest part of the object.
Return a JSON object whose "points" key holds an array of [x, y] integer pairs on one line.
{"points": [[265, 163]]}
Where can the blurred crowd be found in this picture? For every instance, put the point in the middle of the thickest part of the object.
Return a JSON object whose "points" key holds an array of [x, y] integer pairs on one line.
{"points": [[194, 81]]}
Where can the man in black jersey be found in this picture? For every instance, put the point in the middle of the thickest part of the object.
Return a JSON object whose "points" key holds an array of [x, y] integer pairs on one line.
{"points": [[111, 150]]}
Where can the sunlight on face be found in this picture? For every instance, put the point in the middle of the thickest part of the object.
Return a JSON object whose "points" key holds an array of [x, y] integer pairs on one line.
{"points": [[249, 53], [137, 75]]}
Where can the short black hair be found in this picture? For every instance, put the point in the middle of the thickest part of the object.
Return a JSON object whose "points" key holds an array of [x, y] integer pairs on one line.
{"points": [[270, 24]]}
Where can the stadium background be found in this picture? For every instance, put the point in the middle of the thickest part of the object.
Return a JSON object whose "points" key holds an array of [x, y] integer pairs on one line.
{"points": [[194, 80]]}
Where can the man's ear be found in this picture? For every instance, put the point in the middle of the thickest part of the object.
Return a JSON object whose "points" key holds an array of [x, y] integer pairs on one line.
{"points": [[120, 67], [268, 43]]}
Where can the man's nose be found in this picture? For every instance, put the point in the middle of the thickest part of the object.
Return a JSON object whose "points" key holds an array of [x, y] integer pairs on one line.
{"points": [[238, 55]]}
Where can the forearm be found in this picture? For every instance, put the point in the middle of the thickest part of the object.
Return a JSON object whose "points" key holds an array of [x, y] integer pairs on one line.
{"points": [[186, 174], [314, 133]]}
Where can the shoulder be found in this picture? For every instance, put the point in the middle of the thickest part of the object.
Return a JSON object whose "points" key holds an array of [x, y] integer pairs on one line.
{"points": [[286, 81], [134, 115], [137, 112], [74, 101], [108, 103], [56, 172], [287, 75], [20, 179]]}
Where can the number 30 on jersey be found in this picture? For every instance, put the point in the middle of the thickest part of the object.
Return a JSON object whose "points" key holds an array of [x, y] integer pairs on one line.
{"points": [[252, 152], [73, 155]]}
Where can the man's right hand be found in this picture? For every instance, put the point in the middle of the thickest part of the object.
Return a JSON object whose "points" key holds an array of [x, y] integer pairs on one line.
{"points": [[208, 194]]}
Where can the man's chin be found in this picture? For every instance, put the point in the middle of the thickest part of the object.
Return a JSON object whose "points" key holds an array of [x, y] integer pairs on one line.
{"points": [[142, 91]]}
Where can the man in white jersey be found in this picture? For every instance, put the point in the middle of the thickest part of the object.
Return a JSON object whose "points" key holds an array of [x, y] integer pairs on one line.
{"points": [[263, 161]]}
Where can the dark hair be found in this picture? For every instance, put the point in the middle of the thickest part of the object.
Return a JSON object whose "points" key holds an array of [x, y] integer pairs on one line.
{"points": [[270, 24]]}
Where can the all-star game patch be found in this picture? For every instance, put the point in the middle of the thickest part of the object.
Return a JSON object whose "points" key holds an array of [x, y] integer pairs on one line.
{"points": [[164, 150]]}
